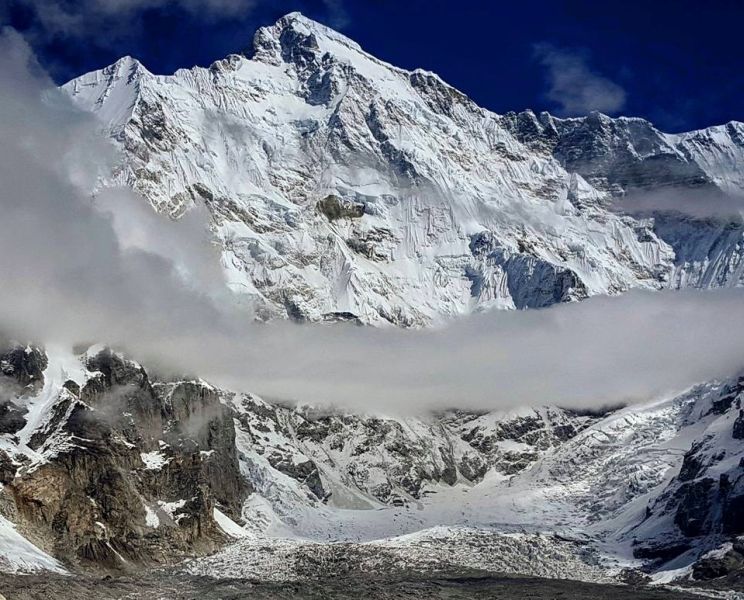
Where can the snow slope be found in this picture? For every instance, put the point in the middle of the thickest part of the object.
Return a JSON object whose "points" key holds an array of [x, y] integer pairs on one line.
{"points": [[612, 485], [18, 555]]}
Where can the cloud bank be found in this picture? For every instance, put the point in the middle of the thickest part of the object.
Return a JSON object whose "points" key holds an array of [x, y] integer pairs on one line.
{"points": [[700, 203], [76, 269], [574, 86]]}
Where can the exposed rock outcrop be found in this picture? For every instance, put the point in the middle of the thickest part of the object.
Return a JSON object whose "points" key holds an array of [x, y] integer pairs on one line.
{"points": [[21, 370], [126, 471]]}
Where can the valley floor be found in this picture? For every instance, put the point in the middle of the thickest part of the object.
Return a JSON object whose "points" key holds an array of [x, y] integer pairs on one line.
{"points": [[165, 586]]}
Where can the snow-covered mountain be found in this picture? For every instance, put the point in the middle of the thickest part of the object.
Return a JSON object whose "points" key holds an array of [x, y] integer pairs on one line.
{"points": [[341, 186]]}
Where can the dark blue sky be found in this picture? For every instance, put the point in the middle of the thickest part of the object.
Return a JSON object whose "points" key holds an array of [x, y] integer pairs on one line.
{"points": [[678, 63]]}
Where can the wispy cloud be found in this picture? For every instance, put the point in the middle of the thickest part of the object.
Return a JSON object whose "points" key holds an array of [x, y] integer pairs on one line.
{"points": [[67, 33], [575, 88], [80, 18], [73, 269], [699, 203], [338, 16]]}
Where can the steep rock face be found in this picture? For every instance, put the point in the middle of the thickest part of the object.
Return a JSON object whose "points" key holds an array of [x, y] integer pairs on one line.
{"points": [[200, 423], [709, 252], [513, 441], [21, 375], [626, 154], [387, 460], [629, 155], [700, 506], [116, 471], [439, 206], [611, 154], [23, 365]]}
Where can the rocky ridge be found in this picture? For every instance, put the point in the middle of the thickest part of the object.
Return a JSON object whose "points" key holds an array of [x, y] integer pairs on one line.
{"points": [[113, 468]]}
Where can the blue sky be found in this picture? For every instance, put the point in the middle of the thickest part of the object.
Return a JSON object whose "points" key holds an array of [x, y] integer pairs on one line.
{"points": [[678, 63]]}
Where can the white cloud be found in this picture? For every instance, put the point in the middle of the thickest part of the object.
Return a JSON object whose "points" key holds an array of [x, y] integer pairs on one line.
{"points": [[338, 16], [699, 203], [574, 86]]}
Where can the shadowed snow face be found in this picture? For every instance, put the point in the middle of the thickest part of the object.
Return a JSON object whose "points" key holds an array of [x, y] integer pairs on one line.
{"points": [[73, 268]]}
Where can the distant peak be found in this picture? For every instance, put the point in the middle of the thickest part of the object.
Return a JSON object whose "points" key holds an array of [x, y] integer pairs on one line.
{"points": [[128, 63], [128, 67]]}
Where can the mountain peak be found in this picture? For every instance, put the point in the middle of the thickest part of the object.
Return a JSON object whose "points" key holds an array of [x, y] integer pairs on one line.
{"points": [[299, 22], [112, 91], [297, 36], [296, 17]]}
